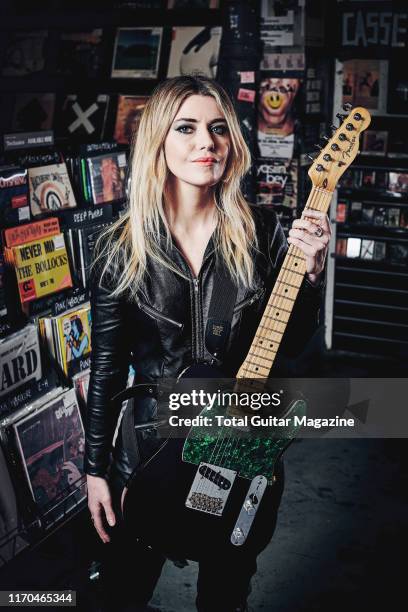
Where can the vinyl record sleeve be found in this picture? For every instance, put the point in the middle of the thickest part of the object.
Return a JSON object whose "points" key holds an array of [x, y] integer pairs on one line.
{"points": [[33, 112], [51, 443], [194, 49], [136, 53], [108, 177], [127, 117], [74, 336], [80, 53], [50, 189], [14, 204], [25, 53], [81, 116], [20, 359]]}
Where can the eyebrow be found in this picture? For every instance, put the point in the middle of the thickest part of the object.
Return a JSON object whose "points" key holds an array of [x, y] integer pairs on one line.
{"points": [[195, 120]]}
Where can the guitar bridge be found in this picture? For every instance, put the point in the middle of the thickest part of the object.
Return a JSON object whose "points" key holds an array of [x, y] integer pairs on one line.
{"points": [[210, 489]]}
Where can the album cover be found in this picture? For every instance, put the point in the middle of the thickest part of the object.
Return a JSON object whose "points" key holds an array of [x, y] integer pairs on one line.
{"points": [[397, 143], [81, 384], [194, 49], [25, 53], [365, 83], [398, 182], [276, 116], [380, 249], [397, 99], [14, 204], [50, 189], [393, 217], [175, 4], [81, 116], [31, 231], [80, 54], [51, 443], [108, 177], [404, 218], [136, 53], [398, 253], [33, 112], [353, 247], [277, 24], [368, 179], [367, 249], [73, 333], [277, 182], [380, 216], [367, 214], [374, 142], [341, 212], [41, 267], [355, 212], [381, 179], [341, 246], [20, 359], [127, 117]]}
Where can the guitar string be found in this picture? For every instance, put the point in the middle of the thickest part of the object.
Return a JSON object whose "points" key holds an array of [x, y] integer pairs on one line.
{"points": [[226, 443], [316, 198]]}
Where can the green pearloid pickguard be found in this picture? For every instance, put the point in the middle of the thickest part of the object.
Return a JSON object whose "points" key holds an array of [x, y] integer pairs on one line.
{"points": [[249, 455]]}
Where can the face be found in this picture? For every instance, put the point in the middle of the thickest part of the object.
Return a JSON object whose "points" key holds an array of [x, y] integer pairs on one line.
{"points": [[198, 142], [277, 97], [75, 330]]}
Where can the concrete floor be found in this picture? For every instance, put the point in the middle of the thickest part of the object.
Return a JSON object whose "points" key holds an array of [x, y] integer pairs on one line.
{"points": [[341, 534], [339, 545]]}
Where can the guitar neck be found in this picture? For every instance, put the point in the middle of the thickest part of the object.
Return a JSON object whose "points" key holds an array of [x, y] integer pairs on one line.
{"points": [[266, 342]]}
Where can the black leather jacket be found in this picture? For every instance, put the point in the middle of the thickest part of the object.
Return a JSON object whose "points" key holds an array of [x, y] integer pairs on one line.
{"points": [[163, 332]]}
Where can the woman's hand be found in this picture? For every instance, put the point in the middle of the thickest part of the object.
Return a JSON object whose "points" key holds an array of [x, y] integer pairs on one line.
{"points": [[100, 505], [312, 237]]}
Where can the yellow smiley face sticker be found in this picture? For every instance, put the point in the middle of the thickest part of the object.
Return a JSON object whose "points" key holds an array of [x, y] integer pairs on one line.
{"points": [[273, 99]]}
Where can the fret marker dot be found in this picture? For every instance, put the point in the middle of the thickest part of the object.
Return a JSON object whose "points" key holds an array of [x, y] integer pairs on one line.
{"points": [[256, 369], [277, 314], [271, 345], [286, 290], [295, 264]]}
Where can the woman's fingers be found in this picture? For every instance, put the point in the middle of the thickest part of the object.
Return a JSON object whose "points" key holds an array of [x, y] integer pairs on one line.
{"points": [[98, 524], [321, 218]]}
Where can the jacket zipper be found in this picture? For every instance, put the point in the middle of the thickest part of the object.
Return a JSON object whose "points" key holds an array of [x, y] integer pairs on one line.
{"points": [[249, 301], [197, 315], [155, 314]]}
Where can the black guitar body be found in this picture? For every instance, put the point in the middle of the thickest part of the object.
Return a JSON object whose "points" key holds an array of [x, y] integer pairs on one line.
{"points": [[154, 507]]}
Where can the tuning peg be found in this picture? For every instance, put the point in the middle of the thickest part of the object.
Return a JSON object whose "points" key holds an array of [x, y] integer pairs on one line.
{"points": [[326, 138], [333, 127], [340, 118], [320, 168], [335, 147], [357, 117], [327, 157], [350, 127], [318, 147], [310, 157], [347, 107], [342, 137]]}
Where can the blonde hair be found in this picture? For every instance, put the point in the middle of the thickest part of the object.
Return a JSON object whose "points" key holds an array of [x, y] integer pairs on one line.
{"points": [[135, 236]]}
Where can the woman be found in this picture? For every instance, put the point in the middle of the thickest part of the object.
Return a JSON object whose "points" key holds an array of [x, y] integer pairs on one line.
{"points": [[151, 288]]}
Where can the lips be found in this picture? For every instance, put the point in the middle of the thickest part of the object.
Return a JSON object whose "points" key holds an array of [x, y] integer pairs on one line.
{"points": [[208, 160]]}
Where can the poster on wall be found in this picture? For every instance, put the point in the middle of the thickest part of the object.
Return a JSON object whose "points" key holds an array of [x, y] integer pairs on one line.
{"points": [[81, 116], [194, 49], [365, 83], [277, 24], [137, 52], [33, 112], [25, 53], [276, 120], [277, 182], [80, 53]]}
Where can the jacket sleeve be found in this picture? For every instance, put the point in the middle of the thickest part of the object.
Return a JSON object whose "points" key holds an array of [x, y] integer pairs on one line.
{"points": [[109, 369], [304, 319]]}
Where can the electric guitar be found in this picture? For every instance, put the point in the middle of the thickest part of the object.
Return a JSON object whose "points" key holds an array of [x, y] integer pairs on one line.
{"points": [[217, 487]]}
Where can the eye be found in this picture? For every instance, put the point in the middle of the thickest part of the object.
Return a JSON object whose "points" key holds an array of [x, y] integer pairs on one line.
{"points": [[219, 129], [182, 129]]}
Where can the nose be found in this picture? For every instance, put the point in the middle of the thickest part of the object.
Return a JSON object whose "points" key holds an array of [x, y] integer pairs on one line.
{"points": [[204, 138]]}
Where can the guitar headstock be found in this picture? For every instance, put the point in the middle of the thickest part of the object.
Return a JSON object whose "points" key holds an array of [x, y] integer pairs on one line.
{"points": [[341, 149]]}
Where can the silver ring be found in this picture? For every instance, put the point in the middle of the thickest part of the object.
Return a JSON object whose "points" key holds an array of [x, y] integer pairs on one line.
{"points": [[318, 231]]}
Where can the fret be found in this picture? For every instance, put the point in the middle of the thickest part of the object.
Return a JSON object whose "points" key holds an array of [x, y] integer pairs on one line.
{"points": [[280, 323], [296, 256], [277, 317], [258, 369], [282, 282], [255, 359], [293, 271], [271, 338], [285, 297], [265, 348], [278, 307]]}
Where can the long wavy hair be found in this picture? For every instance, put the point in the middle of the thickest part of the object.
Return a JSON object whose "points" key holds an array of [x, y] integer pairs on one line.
{"points": [[138, 234]]}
